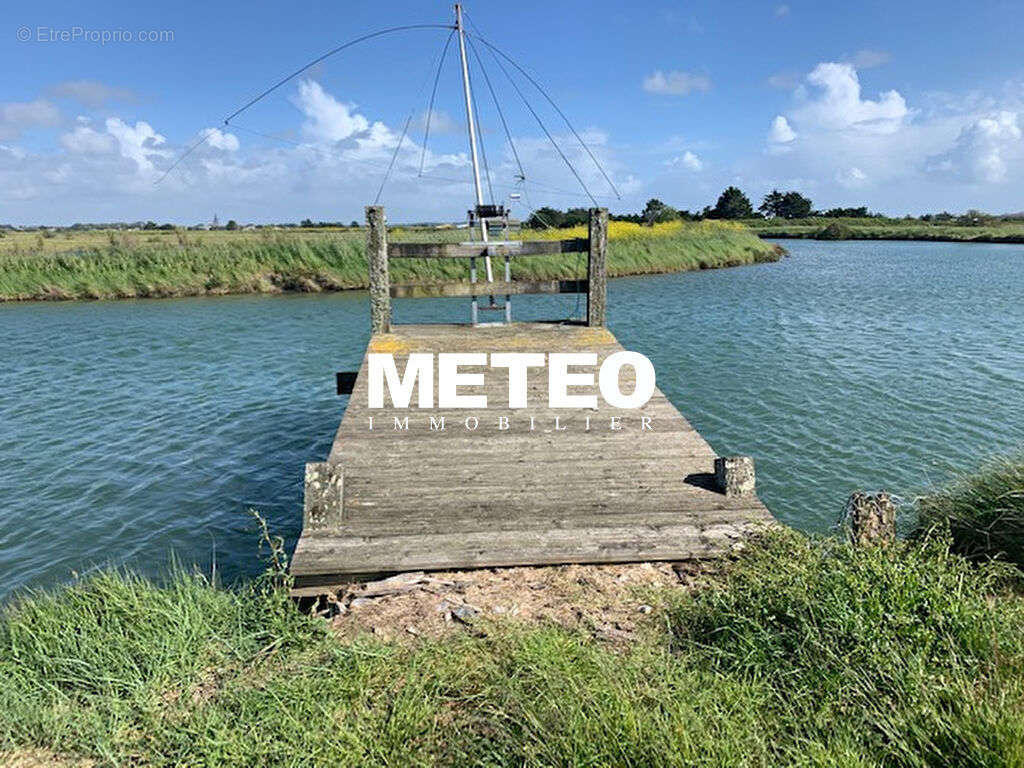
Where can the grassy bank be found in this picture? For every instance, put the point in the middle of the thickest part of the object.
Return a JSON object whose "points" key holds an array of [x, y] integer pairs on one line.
{"points": [[984, 513], [109, 264], [802, 652], [887, 229]]}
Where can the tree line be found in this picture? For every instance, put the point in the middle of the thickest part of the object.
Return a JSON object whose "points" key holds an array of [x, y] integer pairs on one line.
{"points": [[731, 204]]}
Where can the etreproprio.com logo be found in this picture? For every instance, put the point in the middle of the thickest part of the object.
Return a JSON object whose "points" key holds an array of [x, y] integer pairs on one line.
{"points": [[80, 34]]}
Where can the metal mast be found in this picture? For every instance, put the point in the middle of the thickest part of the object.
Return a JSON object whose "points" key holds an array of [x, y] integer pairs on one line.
{"points": [[472, 133], [469, 103]]}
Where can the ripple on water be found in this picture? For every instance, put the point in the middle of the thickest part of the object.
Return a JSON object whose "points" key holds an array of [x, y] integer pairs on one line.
{"points": [[135, 429]]}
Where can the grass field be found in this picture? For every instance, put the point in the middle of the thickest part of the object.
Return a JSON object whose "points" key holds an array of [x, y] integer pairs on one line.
{"points": [[887, 229], [804, 651], [136, 264]]}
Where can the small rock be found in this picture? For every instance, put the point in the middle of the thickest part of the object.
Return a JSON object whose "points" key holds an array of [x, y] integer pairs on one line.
{"points": [[465, 613], [499, 609], [412, 631], [360, 602], [645, 609]]}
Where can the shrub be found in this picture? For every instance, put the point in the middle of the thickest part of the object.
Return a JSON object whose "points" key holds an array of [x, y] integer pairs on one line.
{"points": [[983, 513], [834, 231]]}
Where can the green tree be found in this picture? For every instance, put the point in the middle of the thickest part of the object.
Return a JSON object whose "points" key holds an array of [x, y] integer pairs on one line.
{"points": [[545, 217], [848, 213], [796, 206], [656, 212], [785, 205], [232, 224], [732, 204], [771, 204]]}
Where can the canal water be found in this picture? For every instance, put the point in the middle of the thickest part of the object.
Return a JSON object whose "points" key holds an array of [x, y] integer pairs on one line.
{"points": [[132, 432]]}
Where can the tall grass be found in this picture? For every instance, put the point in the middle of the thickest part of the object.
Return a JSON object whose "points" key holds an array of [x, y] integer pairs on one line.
{"points": [[806, 652], [983, 512], [886, 229], [127, 265]]}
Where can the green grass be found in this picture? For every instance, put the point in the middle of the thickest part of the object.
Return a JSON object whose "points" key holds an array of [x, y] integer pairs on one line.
{"points": [[887, 229], [983, 512], [805, 652], [100, 265]]}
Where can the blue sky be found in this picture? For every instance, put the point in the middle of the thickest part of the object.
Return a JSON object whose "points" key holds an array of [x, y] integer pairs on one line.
{"points": [[904, 107]]}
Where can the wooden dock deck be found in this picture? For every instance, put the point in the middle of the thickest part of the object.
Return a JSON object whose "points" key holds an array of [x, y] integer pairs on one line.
{"points": [[405, 496]]}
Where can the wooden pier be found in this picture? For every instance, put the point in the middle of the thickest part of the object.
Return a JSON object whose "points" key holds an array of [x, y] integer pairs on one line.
{"points": [[501, 487]]}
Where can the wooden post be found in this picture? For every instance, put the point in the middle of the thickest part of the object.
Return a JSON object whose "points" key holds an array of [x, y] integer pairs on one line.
{"points": [[324, 496], [734, 475], [597, 268], [871, 517], [377, 258]]}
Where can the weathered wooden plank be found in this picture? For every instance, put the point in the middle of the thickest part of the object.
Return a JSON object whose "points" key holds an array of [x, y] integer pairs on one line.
{"points": [[530, 520], [496, 288], [439, 551], [479, 250]]}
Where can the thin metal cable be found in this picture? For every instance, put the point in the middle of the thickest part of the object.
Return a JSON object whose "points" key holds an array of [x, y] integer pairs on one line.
{"points": [[296, 73], [327, 55], [408, 120], [497, 105], [433, 95], [575, 313], [382, 166], [185, 154], [394, 157], [551, 101], [543, 127]]}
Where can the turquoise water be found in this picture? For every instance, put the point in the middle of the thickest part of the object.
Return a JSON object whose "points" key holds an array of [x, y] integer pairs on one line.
{"points": [[133, 430]]}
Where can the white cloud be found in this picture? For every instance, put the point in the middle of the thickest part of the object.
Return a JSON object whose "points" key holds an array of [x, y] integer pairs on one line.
{"points": [[676, 83], [139, 142], [16, 117], [867, 58], [984, 149], [105, 171], [84, 140], [218, 139], [689, 160], [851, 178], [92, 93], [853, 149], [781, 132], [781, 10], [327, 119], [836, 103]]}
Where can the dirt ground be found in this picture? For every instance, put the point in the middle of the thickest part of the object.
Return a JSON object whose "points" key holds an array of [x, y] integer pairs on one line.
{"points": [[609, 601]]}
